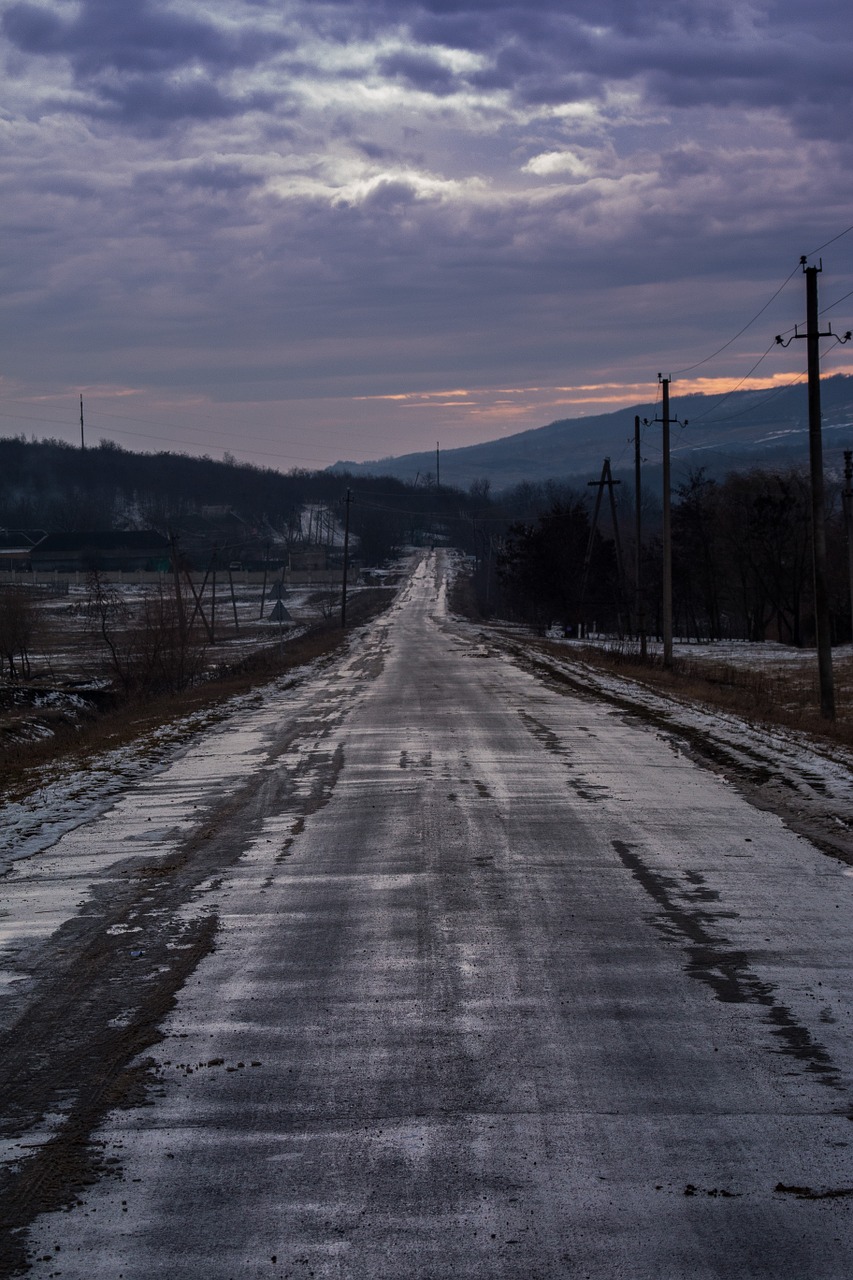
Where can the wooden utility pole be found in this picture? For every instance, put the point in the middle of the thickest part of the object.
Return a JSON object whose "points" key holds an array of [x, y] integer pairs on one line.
{"points": [[821, 592], [347, 502], [665, 422], [823, 635], [264, 584], [640, 613], [847, 501], [213, 599], [198, 596], [82, 435], [233, 598], [437, 466], [179, 599], [667, 528]]}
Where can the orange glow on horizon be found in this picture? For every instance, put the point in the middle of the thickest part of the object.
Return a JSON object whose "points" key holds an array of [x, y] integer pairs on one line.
{"points": [[485, 403]]}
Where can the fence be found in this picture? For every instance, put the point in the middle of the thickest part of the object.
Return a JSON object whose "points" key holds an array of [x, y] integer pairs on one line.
{"points": [[55, 580]]}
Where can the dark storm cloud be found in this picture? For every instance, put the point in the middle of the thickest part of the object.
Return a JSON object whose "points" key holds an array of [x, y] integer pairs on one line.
{"points": [[420, 72], [264, 197], [204, 177], [141, 65], [153, 103], [545, 52], [131, 38], [685, 53]]}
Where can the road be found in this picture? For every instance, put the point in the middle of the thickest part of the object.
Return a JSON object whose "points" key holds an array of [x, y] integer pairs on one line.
{"points": [[431, 968]]}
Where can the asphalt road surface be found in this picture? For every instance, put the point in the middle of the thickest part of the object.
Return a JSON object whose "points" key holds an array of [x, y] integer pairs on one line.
{"points": [[428, 967]]}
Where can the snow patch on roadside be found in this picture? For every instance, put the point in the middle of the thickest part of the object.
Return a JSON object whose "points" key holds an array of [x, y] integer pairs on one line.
{"points": [[63, 801], [814, 776]]}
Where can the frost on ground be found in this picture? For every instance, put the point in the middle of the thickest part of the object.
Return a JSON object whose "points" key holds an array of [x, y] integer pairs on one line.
{"points": [[809, 784], [524, 967], [64, 799]]}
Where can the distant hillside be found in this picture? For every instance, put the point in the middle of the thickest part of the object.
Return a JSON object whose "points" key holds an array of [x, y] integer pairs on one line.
{"points": [[748, 428], [53, 487]]}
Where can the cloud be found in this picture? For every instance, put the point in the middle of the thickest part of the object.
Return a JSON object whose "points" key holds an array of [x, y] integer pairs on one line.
{"points": [[571, 163], [420, 72], [132, 38], [142, 64], [300, 203]]}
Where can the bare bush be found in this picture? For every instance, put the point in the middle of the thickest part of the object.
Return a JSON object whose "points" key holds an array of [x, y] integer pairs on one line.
{"points": [[151, 651], [18, 626]]}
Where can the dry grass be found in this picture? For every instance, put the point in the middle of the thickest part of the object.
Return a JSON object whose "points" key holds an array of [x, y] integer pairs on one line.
{"points": [[782, 694], [115, 723]]}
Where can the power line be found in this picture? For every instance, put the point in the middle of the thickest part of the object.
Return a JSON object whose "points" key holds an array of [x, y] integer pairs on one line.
{"points": [[725, 397], [837, 303], [775, 392], [845, 232], [207, 431], [751, 322], [726, 345], [707, 441], [173, 440]]}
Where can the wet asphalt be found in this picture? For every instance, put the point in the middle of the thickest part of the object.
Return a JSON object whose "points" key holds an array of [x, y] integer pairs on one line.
{"points": [[502, 984]]}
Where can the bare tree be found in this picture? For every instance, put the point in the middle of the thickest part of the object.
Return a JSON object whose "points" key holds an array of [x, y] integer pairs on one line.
{"points": [[149, 651], [18, 625]]}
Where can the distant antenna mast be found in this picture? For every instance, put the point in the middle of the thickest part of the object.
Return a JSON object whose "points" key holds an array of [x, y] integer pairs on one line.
{"points": [[82, 435]]}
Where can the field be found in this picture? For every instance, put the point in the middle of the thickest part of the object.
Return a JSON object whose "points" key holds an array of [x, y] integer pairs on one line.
{"points": [[84, 683], [771, 683]]}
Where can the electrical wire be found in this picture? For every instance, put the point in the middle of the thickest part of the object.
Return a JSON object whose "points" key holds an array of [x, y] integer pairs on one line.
{"points": [[837, 303], [740, 332], [172, 440], [206, 432], [845, 232], [772, 395], [777, 391], [699, 417], [726, 345]]}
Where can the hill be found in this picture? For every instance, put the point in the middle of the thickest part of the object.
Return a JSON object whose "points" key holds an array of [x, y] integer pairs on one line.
{"points": [[747, 428]]}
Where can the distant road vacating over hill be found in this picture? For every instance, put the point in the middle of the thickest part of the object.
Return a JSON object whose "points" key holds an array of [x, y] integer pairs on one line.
{"points": [[748, 428]]}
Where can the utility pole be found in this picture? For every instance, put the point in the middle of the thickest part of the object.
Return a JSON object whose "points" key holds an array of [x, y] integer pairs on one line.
{"points": [[607, 482], [437, 467], [179, 599], [638, 598], [233, 597], [823, 635], [82, 436], [213, 598], [847, 501], [347, 501], [667, 528], [264, 584], [665, 422]]}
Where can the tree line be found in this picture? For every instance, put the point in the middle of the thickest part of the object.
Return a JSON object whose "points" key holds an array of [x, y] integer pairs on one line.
{"points": [[60, 488], [741, 544], [742, 566]]}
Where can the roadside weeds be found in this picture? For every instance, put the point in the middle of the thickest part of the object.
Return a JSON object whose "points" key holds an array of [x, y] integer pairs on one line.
{"points": [[119, 723]]}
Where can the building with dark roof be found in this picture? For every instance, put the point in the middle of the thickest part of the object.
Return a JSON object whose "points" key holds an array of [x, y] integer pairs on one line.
{"points": [[16, 546], [124, 550]]}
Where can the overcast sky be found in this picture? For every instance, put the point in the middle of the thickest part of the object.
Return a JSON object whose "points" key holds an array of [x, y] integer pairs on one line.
{"points": [[310, 231]]}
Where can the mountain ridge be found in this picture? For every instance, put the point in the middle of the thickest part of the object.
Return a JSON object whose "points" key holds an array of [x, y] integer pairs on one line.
{"points": [[754, 428]]}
